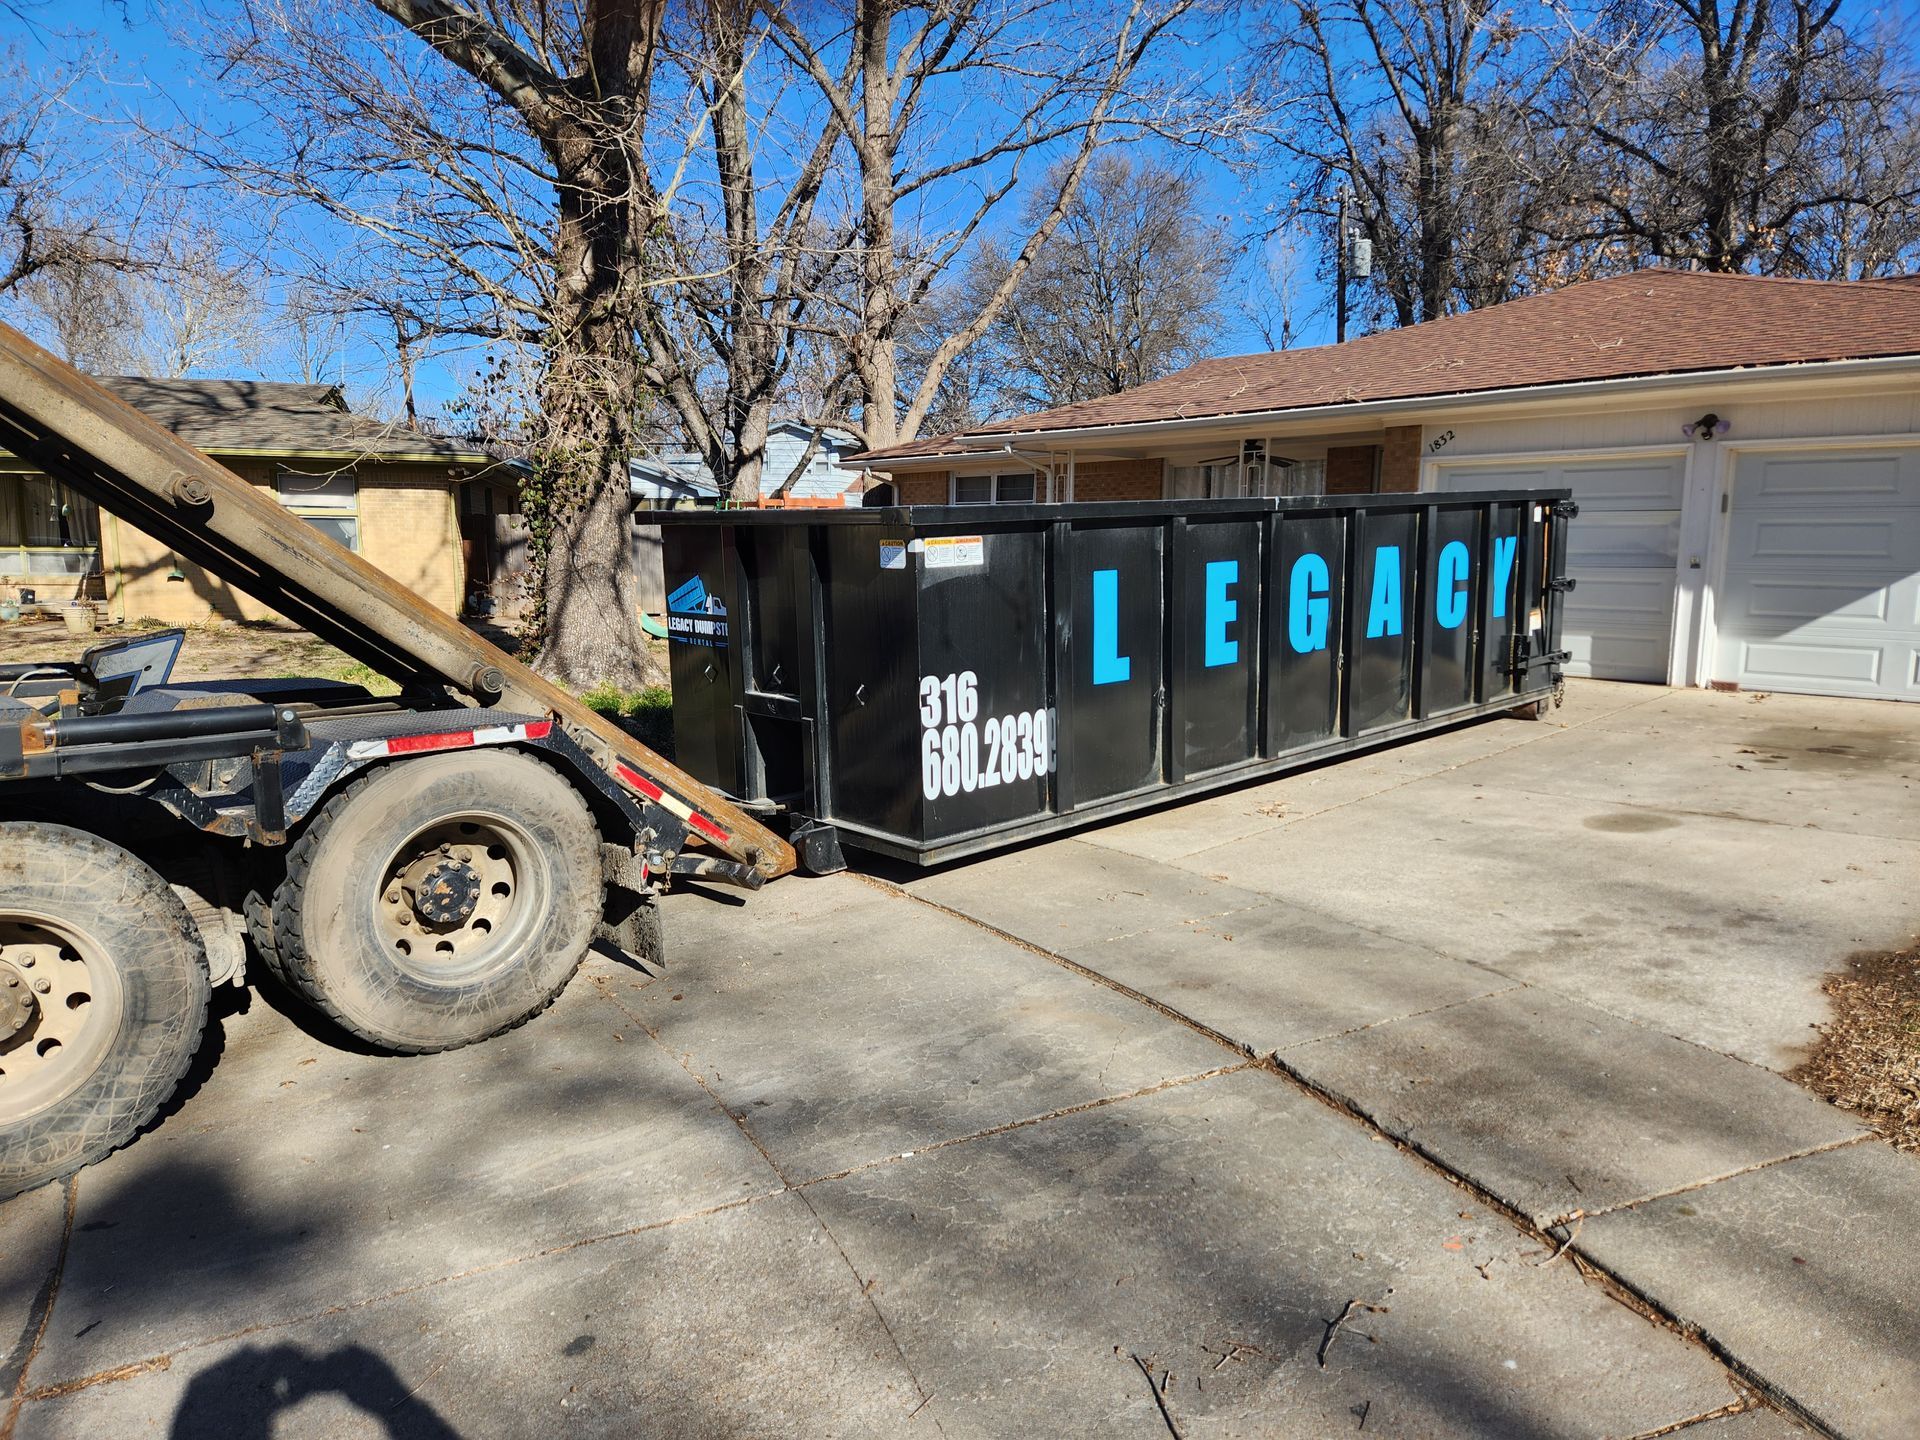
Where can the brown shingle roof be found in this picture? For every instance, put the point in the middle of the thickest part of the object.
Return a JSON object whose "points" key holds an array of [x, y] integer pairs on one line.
{"points": [[1649, 322], [266, 416]]}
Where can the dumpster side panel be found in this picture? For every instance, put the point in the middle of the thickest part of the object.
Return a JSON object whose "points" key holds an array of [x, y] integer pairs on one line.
{"points": [[1306, 638], [1381, 620], [1456, 564], [985, 721], [872, 668], [1501, 600], [706, 723], [1118, 659], [1216, 580]]}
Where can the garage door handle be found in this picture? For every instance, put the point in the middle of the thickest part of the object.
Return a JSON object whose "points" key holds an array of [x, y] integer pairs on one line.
{"points": [[1562, 583]]}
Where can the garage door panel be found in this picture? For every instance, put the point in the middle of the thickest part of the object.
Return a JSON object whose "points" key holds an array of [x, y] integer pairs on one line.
{"points": [[1620, 600], [1834, 479], [1632, 486], [1604, 654], [1602, 538], [1621, 553], [1822, 588], [1800, 602], [1811, 541], [1785, 664]]}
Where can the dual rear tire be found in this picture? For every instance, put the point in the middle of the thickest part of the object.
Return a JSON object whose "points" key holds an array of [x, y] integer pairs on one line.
{"points": [[428, 905], [439, 901]]}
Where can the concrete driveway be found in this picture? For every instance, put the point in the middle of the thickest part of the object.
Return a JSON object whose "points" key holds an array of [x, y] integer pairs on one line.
{"points": [[1429, 1094]]}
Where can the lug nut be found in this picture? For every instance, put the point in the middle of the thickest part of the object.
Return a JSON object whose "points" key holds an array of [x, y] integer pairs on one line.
{"points": [[464, 856], [393, 897], [405, 919], [43, 985]]}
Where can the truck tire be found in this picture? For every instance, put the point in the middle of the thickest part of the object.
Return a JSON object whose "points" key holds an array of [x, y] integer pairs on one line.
{"points": [[103, 997], [437, 901]]}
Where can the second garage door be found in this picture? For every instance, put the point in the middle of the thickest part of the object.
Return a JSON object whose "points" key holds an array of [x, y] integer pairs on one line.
{"points": [[1622, 552], [1822, 589]]}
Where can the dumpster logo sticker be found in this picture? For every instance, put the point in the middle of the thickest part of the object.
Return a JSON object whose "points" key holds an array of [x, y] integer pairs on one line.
{"points": [[695, 617]]}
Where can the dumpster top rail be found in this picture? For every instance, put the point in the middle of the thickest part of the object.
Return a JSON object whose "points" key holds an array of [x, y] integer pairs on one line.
{"points": [[123, 460], [1078, 511]]}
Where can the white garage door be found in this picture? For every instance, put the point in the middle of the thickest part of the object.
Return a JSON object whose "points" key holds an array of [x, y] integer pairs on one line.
{"points": [[1622, 552], [1822, 588]]}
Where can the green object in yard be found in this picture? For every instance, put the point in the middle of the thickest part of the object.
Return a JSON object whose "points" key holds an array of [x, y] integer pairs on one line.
{"points": [[653, 625]]}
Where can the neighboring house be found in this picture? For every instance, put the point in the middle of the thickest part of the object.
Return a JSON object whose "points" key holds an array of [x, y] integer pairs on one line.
{"points": [[392, 493], [670, 479], [1745, 451], [680, 477]]}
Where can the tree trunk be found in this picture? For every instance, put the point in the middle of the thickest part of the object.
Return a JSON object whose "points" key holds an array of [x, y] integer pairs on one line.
{"points": [[876, 356], [586, 628]]}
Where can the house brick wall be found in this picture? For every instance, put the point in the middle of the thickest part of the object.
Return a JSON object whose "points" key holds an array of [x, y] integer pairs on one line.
{"points": [[1350, 469], [1120, 480], [1400, 457], [921, 489]]}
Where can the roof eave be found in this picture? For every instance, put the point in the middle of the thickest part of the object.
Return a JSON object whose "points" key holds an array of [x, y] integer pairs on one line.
{"points": [[980, 446]]}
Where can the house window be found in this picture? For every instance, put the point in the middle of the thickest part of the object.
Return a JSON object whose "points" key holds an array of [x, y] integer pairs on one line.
{"points": [[328, 500], [46, 529], [994, 489]]}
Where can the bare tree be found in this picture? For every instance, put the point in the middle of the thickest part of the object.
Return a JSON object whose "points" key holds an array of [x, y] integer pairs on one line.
{"points": [[751, 261], [1128, 290], [52, 214], [174, 301], [1436, 132], [1760, 135], [497, 156], [1053, 81]]}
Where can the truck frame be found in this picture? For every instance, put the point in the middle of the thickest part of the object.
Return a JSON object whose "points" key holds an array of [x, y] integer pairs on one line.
{"points": [[425, 870]]}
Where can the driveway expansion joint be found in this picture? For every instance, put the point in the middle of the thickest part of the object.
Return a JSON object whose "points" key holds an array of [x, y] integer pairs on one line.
{"points": [[1561, 1221]]}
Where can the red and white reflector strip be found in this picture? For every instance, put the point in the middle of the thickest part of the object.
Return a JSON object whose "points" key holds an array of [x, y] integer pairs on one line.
{"points": [[673, 804], [448, 740]]}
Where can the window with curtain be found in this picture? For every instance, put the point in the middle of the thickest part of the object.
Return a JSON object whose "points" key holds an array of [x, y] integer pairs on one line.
{"points": [[327, 500], [45, 528]]}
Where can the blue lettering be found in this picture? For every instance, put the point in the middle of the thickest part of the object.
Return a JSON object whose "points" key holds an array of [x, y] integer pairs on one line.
{"points": [[1383, 615], [1307, 604], [1503, 548], [1450, 599], [1109, 665], [1221, 612]]}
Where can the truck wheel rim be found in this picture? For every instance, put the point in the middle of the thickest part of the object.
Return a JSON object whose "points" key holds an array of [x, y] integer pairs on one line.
{"points": [[423, 923], [78, 1005]]}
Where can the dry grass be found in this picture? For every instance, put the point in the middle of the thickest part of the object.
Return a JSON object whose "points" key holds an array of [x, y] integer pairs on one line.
{"points": [[1868, 1059]]}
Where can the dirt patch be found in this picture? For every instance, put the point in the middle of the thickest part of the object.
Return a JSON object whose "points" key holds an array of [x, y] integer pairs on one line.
{"points": [[210, 652], [1868, 1057]]}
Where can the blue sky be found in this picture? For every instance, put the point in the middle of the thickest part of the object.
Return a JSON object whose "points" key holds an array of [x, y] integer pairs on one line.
{"points": [[140, 70]]}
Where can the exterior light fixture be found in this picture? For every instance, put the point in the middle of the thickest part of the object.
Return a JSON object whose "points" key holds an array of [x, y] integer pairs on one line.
{"points": [[1708, 427]]}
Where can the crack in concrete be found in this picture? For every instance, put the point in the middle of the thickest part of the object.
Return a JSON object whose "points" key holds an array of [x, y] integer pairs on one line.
{"points": [[13, 1379], [1733, 1407], [861, 1283], [1410, 1015], [1589, 1269], [1693, 1185], [165, 1359]]}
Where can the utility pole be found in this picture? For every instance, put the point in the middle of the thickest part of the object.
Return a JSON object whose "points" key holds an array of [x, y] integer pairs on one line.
{"points": [[1352, 260], [1340, 271]]}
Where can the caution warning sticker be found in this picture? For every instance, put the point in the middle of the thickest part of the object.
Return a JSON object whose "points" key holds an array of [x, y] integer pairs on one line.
{"points": [[955, 552]]}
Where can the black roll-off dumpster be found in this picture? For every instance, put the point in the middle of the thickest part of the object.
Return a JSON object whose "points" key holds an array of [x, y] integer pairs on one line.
{"points": [[932, 681]]}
